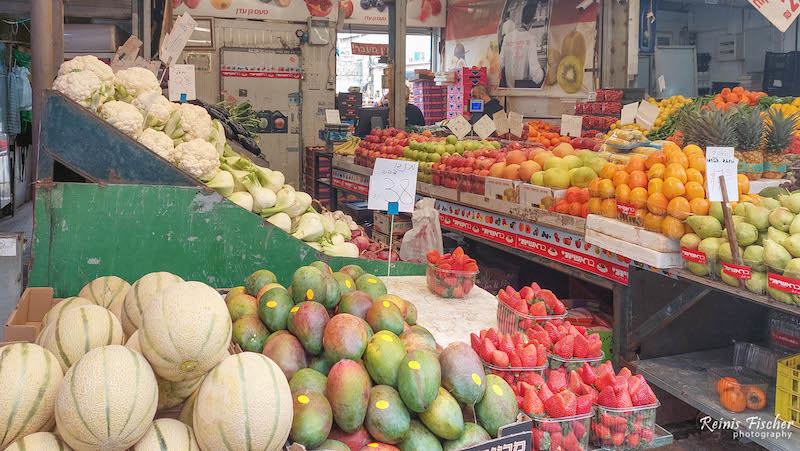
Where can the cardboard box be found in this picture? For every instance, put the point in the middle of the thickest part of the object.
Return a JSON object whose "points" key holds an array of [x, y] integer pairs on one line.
{"points": [[502, 189], [384, 238], [383, 222], [25, 321], [539, 196]]}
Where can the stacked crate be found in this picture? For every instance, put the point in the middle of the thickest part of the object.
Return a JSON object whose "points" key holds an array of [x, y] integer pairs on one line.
{"points": [[430, 99], [458, 94], [319, 191]]}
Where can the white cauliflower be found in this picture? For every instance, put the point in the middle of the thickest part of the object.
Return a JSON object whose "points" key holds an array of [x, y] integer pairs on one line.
{"points": [[124, 116], [197, 157], [83, 87], [195, 122], [155, 108], [159, 143], [134, 81], [88, 63]]}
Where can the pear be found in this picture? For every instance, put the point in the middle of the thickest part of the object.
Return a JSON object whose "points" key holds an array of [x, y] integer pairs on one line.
{"points": [[760, 239], [792, 269], [697, 269], [746, 234], [792, 244], [705, 226], [738, 219], [710, 247], [730, 280], [779, 295], [690, 241], [775, 256], [725, 253], [741, 209], [758, 216], [769, 203], [753, 257], [716, 211], [776, 235], [792, 202], [757, 283], [794, 227], [781, 218]]}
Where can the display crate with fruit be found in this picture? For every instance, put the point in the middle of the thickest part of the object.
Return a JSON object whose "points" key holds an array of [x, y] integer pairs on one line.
{"points": [[451, 275], [518, 311]]}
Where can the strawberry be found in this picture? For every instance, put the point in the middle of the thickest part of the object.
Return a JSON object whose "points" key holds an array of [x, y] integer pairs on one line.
{"points": [[604, 368], [590, 391], [603, 431], [574, 382], [519, 400], [581, 346], [549, 298], [491, 334], [555, 439], [508, 377], [476, 341], [618, 438], [595, 349], [557, 380], [526, 293], [467, 284], [451, 281], [578, 428], [637, 427], [606, 380], [624, 372], [623, 398], [458, 252], [620, 385], [514, 360], [570, 402], [551, 427], [564, 347], [500, 358], [532, 404], [607, 397], [545, 393], [551, 330], [541, 355], [482, 334], [544, 338], [633, 440], [584, 404], [633, 384], [538, 437], [558, 308], [643, 396], [433, 257], [587, 374], [535, 287], [528, 356], [534, 379], [503, 296], [506, 345], [571, 443], [647, 435], [488, 349], [537, 309], [581, 330], [520, 340]]}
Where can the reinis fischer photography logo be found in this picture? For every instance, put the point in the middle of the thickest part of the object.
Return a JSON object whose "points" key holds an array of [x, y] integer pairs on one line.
{"points": [[752, 427]]}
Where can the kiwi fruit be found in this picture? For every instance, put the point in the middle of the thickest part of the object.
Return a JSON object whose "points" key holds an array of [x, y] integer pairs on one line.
{"points": [[570, 74], [574, 45], [553, 58]]}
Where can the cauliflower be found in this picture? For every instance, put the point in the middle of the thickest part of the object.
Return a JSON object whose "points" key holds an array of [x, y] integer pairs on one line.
{"points": [[158, 142], [134, 81], [197, 157], [124, 116], [83, 87], [91, 64], [217, 137], [189, 122], [155, 108]]}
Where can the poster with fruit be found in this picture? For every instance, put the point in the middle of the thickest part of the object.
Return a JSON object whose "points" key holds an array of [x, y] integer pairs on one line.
{"points": [[420, 13], [294, 10], [545, 45]]}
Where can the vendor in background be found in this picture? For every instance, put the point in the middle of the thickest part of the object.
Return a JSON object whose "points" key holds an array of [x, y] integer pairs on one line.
{"points": [[413, 113], [490, 105]]}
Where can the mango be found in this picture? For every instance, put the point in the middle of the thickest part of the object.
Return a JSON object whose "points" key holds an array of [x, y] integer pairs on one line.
{"points": [[249, 333], [348, 392], [322, 266], [235, 291], [242, 304], [312, 419], [444, 417], [387, 419], [273, 308], [332, 292], [498, 406], [353, 440], [473, 435], [308, 284], [419, 438], [354, 271], [384, 315], [355, 303], [345, 337], [411, 316], [383, 356], [396, 300], [287, 352], [372, 285], [346, 283], [307, 321], [308, 380], [462, 373], [331, 445], [321, 364], [258, 279], [418, 379]]}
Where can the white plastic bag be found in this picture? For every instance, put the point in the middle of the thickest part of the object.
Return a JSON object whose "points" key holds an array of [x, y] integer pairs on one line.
{"points": [[425, 234]]}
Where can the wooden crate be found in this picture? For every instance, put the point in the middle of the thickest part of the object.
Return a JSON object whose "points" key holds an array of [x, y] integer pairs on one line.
{"points": [[25, 321]]}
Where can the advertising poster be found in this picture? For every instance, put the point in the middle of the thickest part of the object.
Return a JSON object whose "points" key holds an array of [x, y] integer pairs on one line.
{"points": [[546, 45], [290, 10], [420, 13]]}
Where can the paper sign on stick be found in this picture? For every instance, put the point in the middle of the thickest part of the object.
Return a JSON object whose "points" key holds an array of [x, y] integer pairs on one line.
{"points": [[393, 181]]}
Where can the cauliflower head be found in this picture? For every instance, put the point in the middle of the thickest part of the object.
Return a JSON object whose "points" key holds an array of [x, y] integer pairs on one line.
{"points": [[91, 64], [134, 81], [124, 116], [85, 88], [159, 143], [155, 108], [195, 122], [197, 157]]}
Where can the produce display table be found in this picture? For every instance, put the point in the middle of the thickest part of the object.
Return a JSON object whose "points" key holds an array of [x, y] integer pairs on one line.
{"points": [[448, 319]]}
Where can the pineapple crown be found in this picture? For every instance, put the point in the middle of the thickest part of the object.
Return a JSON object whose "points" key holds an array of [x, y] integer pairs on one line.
{"points": [[749, 128], [709, 127], [779, 131]]}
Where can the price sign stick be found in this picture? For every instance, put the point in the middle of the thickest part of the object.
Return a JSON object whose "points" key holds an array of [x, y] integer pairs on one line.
{"points": [[393, 210], [726, 212]]}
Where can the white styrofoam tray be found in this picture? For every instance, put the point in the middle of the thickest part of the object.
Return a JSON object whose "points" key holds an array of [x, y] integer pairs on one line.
{"points": [[641, 254], [632, 234]]}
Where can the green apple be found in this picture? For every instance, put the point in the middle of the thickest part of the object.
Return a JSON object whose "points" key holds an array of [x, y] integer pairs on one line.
{"points": [[451, 139], [459, 146], [449, 148], [496, 145], [434, 157], [406, 151], [439, 149]]}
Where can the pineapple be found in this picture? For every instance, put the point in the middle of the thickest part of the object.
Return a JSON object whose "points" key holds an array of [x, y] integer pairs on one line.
{"points": [[778, 136], [750, 134], [708, 128]]}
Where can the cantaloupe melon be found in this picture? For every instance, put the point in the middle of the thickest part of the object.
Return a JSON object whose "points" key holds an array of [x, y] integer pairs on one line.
{"points": [[133, 342], [44, 332], [80, 330], [107, 400], [29, 379], [187, 411], [185, 331], [64, 305], [140, 294], [171, 394], [244, 403], [39, 441], [166, 434], [107, 291]]}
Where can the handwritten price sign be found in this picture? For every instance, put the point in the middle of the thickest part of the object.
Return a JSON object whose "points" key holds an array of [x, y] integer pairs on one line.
{"points": [[721, 162], [780, 12], [393, 181]]}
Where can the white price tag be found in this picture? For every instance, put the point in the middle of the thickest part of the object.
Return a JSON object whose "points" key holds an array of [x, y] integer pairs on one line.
{"points": [[501, 122], [571, 125], [8, 247], [721, 162], [629, 113], [459, 126], [393, 181], [515, 124], [662, 84], [484, 127], [647, 114], [592, 96], [175, 41], [181, 81], [332, 117], [126, 54], [780, 13]]}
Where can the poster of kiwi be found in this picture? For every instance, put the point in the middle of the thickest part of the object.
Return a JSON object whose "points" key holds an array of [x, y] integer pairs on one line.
{"points": [[419, 13], [546, 45], [295, 10]]}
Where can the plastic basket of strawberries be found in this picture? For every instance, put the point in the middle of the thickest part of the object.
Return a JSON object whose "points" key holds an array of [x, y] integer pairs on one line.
{"points": [[625, 411], [511, 356], [517, 311], [560, 418], [451, 275], [570, 346]]}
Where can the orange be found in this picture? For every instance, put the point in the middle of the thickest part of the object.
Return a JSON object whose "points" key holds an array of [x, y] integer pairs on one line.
{"points": [[655, 158], [639, 216], [620, 178], [687, 228], [656, 171], [669, 147], [679, 207], [744, 183], [636, 163], [692, 149], [655, 186], [657, 203], [699, 206], [677, 171], [694, 190], [680, 158], [593, 187], [594, 205], [638, 197], [732, 205], [653, 222], [672, 227], [697, 161], [608, 170], [673, 188], [609, 208], [605, 189], [745, 198], [693, 175], [754, 198], [638, 179], [622, 194]]}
